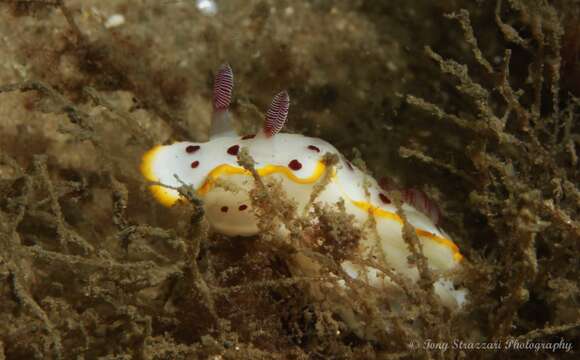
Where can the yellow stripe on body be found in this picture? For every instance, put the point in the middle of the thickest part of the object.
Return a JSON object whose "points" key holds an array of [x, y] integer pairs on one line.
{"points": [[162, 194], [168, 198], [226, 169], [377, 211]]}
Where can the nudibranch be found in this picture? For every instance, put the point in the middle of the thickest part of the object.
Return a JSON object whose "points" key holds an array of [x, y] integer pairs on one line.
{"points": [[296, 161]]}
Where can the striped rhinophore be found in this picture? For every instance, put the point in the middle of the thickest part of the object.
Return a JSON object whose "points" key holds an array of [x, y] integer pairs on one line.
{"points": [[222, 88], [277, 114]]}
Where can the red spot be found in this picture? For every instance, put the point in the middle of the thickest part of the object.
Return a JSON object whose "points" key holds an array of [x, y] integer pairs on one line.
{"points": [[224, 209], [349, 164], [194, 164], [384, 198], [234, 150], [295, 165], [246, 137], [191, 149], [243, 207], [313, 148]]}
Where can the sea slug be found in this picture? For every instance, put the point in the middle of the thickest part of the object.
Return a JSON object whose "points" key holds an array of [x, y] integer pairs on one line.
{"points": [[296, 162]]}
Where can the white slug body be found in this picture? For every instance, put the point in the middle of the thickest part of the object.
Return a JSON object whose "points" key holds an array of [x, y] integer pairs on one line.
{"points": [[296, 162]]}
